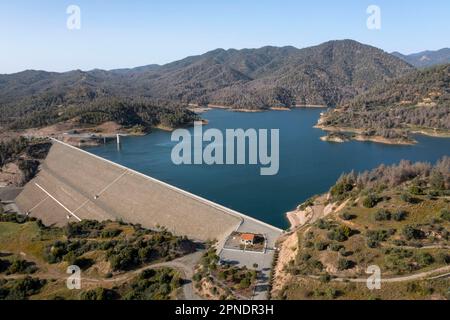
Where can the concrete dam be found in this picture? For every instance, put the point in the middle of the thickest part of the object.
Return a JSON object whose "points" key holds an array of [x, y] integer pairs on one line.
{"points": [[74, 185]]}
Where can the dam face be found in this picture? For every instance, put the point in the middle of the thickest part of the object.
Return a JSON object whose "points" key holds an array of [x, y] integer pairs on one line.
{"points": [[73, 185]]}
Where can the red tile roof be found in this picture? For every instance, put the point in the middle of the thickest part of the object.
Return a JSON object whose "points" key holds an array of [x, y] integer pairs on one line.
{"points": [[248, 236]]}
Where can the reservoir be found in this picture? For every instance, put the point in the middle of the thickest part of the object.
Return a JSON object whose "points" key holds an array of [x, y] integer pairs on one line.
{"points": [[307, 165]]}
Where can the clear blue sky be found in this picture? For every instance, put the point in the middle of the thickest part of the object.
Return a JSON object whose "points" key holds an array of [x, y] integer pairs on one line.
{"points": [[128, 33]]}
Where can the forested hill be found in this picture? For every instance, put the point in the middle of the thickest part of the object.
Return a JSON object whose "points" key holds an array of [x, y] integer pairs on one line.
{"points": [[417, 101], [327, 74]]}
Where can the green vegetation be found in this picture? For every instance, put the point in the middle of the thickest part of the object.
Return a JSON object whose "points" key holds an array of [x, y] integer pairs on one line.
{"points": [[409, 290], [348, 216], [400, 215], [18, 266], [94, 247], [411, 233], [99, 294], [340, 234], [445, 214], [123, 253], [383, 215], [418, 101], [226, 280], [371, 201], [344, 264], [128, 112], [153, 285], [375, 226], [20, 289], [250, 78], [374, 237], [159, 284]]}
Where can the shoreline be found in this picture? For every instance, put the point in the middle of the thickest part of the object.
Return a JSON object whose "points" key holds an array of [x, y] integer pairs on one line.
{"points": [[319, 106], [431, 134], [358, 134], [359, 137], [198, 109], [87, 136]]}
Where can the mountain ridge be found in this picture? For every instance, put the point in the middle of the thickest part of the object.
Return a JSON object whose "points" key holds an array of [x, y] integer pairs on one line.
{"points": [[326, 74], [426, 58]]}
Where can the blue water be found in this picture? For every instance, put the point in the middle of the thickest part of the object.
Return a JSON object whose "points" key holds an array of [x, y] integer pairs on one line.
{"points": [[308, 166]]}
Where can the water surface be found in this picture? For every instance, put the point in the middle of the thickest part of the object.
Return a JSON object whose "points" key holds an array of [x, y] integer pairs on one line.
{"points": [[308, 166]]}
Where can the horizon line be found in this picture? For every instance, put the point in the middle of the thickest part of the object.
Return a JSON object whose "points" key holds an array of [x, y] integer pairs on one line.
{"points": [[212, 50]]}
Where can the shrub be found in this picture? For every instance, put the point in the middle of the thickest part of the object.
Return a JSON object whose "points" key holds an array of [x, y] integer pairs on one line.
{"points": [[437, 180], [325, 278], [99, 294], [307, 203], [433, 193], [320, 246], [399, 215], [21, 289], [444, 258], [411, 233], [4, 265], [332, 293], [445, 214], [382, 215], [335, 247], [424, 259], [83, 263], [22, 266], [406, 197], [83, 229], [341, 188], [55, 253], [111, 233], [371, 243], [344, 264], [399, 242], [306, 257], [124, 259], [378, 235], [417, 288], [416, 190], [14, 218], [197, 277], [348, 216], [343, 252], [222, 275], [316, 264], [371, 201], [340, 234], [245, 283], [323, 224]]}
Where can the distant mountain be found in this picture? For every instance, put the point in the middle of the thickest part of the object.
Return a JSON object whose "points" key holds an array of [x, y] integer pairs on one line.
{"points": [[426, 59], [327, 74]]}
